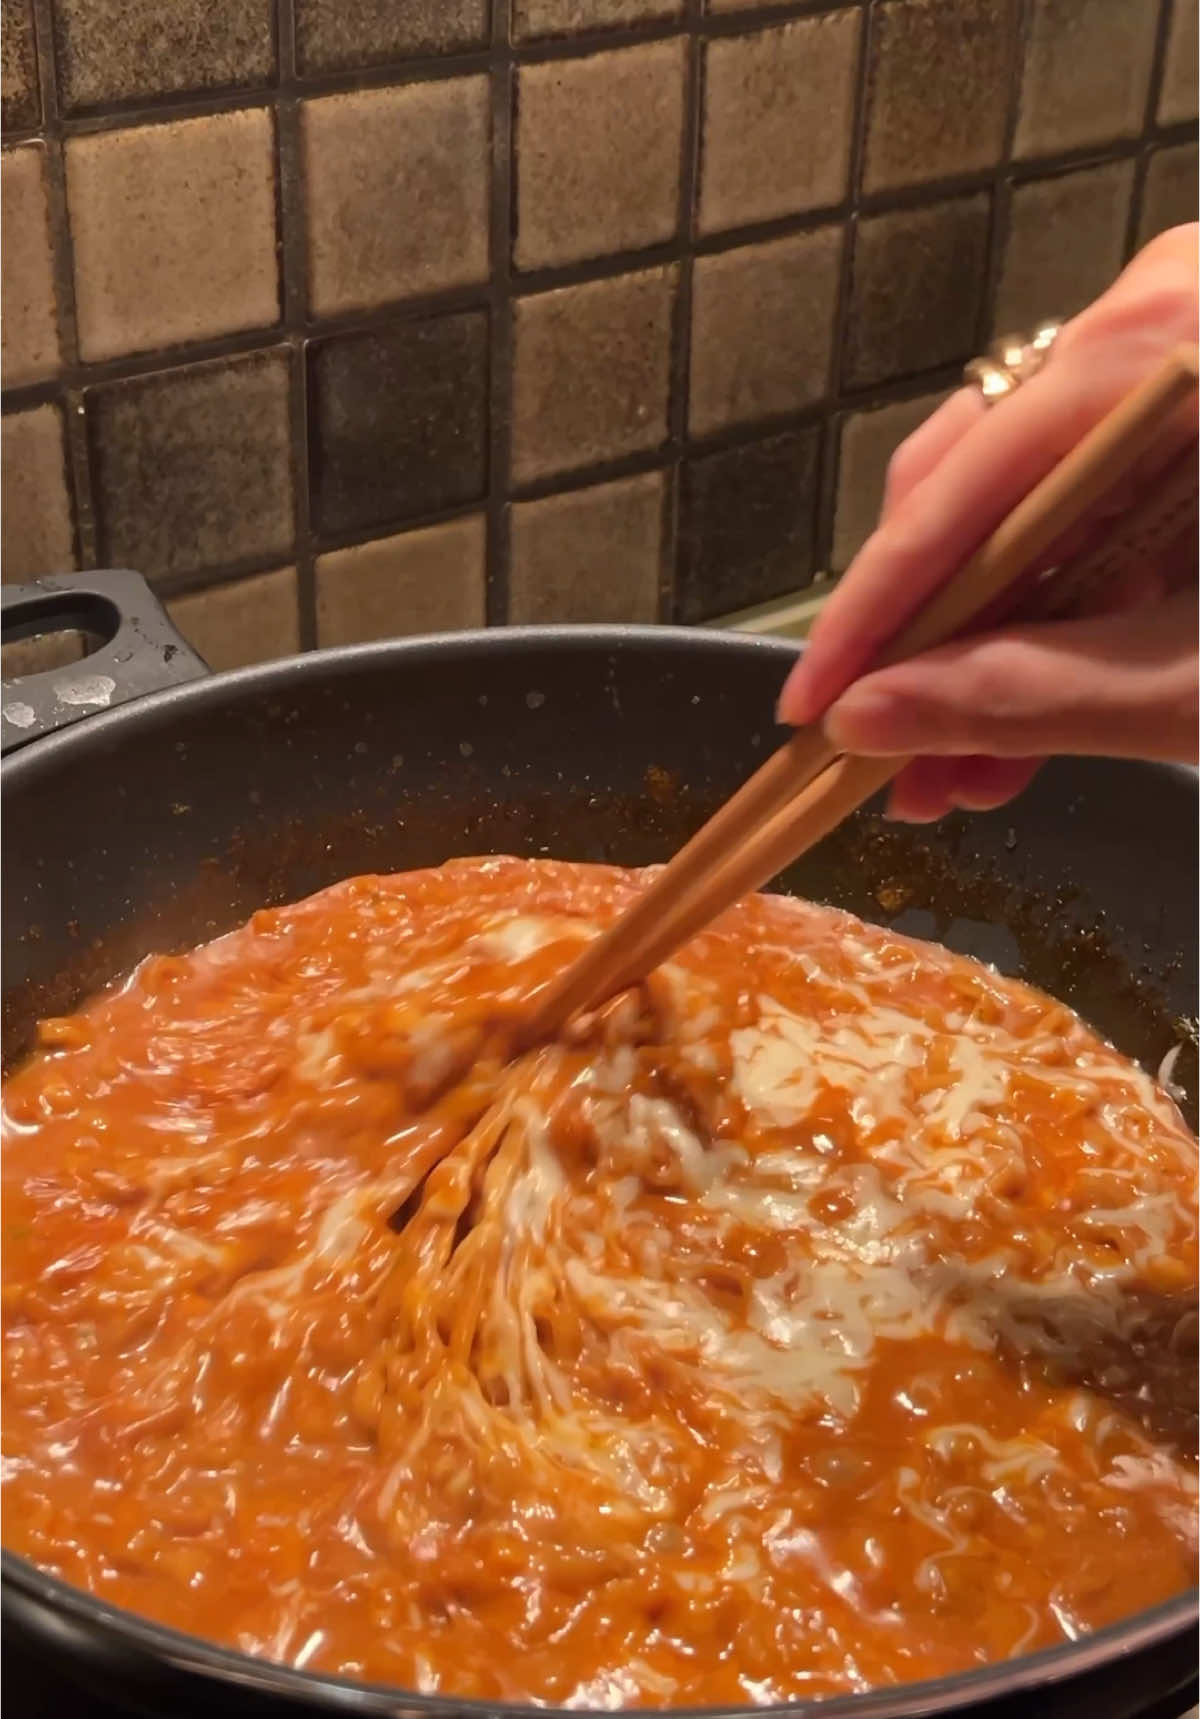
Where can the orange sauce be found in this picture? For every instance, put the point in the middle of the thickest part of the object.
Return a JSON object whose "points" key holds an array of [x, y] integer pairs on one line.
{"points": [[821, 1318]]}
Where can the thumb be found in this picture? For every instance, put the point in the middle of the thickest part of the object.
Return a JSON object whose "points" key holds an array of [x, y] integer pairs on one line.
{"points": [[1121, 686]]}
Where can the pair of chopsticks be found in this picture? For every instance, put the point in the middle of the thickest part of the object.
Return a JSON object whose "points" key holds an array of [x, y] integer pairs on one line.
{"points": [[806, 789]]}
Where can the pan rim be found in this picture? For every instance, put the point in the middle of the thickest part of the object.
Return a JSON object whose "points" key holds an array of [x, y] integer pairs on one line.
{"points": [[277, 675], [178, 1651]]}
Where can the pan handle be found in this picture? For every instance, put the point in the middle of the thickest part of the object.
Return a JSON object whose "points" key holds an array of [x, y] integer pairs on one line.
{"points": [[141, 652]]}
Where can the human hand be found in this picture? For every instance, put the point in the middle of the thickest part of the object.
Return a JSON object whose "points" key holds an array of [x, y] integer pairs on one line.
{"points": [[980, 713]]}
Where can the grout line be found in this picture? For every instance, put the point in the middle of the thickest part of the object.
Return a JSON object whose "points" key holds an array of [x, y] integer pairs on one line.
{"points": [[680, 377], [74, 423], [1153, 96], [829, 451], [186, 584], [999, 228], [829, 461], [292, 240], [78, 460], [688, 192], [194, 579], [502, 228], [395, 525], [165, 109], [1021, 17], [62, 259]]}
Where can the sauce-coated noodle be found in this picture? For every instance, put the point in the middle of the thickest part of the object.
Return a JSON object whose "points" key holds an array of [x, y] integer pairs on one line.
{"points": [[821, 1318]]}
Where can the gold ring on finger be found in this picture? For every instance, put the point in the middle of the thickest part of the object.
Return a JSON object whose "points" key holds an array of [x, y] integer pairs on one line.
{"points": [[1010, 361]]}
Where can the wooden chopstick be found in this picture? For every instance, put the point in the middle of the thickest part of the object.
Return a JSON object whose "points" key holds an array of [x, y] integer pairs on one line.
{"points": [[776, 815]]}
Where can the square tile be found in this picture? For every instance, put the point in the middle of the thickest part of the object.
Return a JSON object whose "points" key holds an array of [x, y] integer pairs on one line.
{"points": [[191, 468], [777, 119], [244, 621], [591, 372], [397, 192], [937, 89], [115, 50], [916, 290], [762, 329], [747, 519], [590, 555], [1043, 276], [868, 441], [1086, 73], [1177, 97], [1169, 196], [398, 421], [429, 581], [571, 17], [20, 98], [173, 228], [598, 143], [340, 35], [41, 652], [28, 319], [36, 534]]}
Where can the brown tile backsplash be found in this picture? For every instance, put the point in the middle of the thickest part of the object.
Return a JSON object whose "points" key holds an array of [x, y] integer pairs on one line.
{"points": [[937, 88], [242, 621], [41, 652], [190, 468], [747, 524], [533, 18], [29, 347], [917, 287], [173, 228], [1041, 276], [398, 422], [1170, 195], [598, 152], [340, 318], [590, 372], [347, 35], [762, 329], [35, 505], [776, 127], [20, 100], [1087, 73], [122, 50], [867, 442], [589, 555], [397, 192], [428, 581], [1177, 99]]}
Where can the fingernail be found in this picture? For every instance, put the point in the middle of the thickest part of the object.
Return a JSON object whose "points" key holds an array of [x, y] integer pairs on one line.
{"points": [[903, 814], [864, 721], [793, 705]]}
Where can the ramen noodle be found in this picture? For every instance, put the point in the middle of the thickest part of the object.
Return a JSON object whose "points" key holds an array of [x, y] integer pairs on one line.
{"points": [[819, 1317]]}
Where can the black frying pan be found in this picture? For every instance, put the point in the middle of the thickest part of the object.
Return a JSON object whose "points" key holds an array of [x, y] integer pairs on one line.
{"points": [[157, 823]]}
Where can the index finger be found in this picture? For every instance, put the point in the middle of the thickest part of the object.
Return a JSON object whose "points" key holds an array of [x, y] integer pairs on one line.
{"points": [[941, 521], [928, 446]]}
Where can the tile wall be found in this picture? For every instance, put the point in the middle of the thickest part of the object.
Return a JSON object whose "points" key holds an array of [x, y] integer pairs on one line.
{"points": [[344, 318]]}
